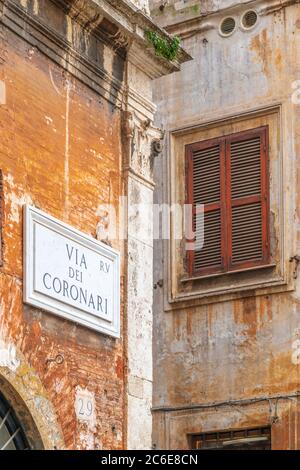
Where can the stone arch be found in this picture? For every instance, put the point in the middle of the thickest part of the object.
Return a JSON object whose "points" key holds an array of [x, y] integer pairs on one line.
{"points": [[24, 391]]}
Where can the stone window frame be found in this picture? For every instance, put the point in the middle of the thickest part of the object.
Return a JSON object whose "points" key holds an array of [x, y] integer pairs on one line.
{"points": [[183, 291]]}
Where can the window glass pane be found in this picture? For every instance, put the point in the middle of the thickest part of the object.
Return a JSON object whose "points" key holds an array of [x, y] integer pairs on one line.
{"points": [[5, 437]]}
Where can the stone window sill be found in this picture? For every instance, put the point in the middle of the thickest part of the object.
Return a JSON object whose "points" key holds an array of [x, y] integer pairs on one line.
{"points": [[254, 268]]}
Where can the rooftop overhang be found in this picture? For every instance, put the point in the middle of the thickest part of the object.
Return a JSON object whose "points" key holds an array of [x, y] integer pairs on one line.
{"points": [[128, 26]]}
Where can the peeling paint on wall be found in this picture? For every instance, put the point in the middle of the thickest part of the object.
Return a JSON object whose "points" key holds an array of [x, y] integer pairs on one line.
{"points": [[229, 349]]}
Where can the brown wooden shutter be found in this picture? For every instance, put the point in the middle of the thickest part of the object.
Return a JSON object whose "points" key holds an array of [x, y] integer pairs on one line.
{"points": [[247, 196], [229, 176], [206, 185]]}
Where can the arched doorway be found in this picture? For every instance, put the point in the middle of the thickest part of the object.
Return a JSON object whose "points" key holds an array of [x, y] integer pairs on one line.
{"points": [[31, 414], [12, 435]]}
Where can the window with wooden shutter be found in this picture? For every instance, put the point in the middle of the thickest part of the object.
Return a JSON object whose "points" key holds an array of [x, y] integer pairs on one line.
{"points": [[229, 176]]}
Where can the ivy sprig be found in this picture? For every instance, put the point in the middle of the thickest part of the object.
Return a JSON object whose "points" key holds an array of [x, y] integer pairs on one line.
{"points": [[167, 48]]}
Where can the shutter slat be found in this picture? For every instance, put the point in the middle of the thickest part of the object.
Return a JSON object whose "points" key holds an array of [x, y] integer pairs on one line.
{"points": [[246, 168], [210, 254], [248, 171], [206, 190], [245, 144], [206, 175], [247, 242], [236, 151], [247, 246]]}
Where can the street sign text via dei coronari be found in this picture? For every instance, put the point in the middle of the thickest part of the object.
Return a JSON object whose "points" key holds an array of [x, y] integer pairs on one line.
{"points": [[70, 274]]}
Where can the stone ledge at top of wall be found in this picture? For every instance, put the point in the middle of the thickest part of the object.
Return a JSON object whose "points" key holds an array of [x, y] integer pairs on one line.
{"points": [[134, 21], [171, 12]]}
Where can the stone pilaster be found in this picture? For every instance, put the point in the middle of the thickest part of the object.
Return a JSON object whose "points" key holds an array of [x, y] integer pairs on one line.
{"points": [[140, 134]]}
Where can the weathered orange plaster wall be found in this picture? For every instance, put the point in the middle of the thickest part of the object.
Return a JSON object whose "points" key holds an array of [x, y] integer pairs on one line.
{"points": [[60, 150]]}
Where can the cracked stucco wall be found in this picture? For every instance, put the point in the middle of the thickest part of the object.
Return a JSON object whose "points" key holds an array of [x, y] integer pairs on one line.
{"points": [[238, 348]]}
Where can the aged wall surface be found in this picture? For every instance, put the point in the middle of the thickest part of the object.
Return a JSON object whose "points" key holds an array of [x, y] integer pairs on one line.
{"points": [[61, 152], [143, 4], [73, 98], [226, 349]]}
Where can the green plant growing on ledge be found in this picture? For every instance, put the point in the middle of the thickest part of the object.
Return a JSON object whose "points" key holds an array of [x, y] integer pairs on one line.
{"points": [[167, 48]]}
